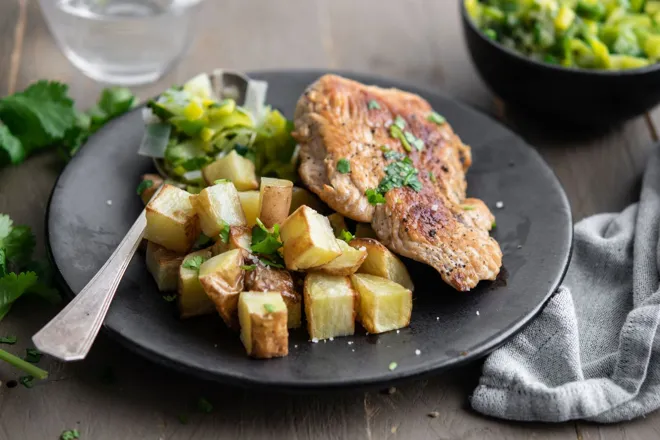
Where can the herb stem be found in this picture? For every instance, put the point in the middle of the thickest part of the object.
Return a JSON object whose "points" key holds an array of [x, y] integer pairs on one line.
{"points": [[19, 363]]}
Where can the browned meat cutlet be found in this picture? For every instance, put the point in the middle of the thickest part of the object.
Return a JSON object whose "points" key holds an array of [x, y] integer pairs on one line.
{"points": [[337, 118]]}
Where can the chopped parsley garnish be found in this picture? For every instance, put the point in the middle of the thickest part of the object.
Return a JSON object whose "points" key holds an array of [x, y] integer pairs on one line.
{"points": [[169, 298], [468, 207], [343, 166], [493, 225], [384, 148], [374, 197], [32, 355], [26, 381], [224, 232], [194, 263], [70, 434], [414, 141], [436, 118], [11, 339], [394, 155], [264, 241], [400, 122], [204, 405], [249, 267], [393, 366], [272, 260], [346, 236], [215, 182], [373, 105], [143, 186], [432, 177], [269, 308]]}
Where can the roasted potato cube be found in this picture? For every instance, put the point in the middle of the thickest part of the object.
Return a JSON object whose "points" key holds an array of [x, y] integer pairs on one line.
{"points": [[192, 299], [222, 279], [164, 266], [263, 318], [347, 263], [308, 240], [233, 167], [300, 197], [382, 262], [148, 193], [383, 305], [330, 306], [171, 220], [364, 230], [263, 279], [274, 200], [337, 222], [250, 205], [216, 206]]}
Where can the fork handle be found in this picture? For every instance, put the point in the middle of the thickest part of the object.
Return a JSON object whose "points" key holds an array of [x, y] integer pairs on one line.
{"points": [[70, 335]]}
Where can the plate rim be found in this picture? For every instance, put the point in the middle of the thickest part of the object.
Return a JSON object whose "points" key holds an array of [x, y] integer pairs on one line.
{"points": [[311, 385]]}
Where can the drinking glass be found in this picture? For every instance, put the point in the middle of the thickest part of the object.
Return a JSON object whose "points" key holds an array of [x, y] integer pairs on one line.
{"points": [[127, 42]]}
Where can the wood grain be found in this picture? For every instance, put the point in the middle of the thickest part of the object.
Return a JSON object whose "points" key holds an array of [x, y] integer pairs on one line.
{"points": [[413, 40]]}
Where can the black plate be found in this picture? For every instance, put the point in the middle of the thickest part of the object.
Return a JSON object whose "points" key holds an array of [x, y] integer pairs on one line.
{"points": [[448, 327]]}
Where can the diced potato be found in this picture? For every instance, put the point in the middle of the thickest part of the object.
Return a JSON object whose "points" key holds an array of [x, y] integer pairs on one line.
{"points": [[330, 306], [383, 305], [250, 204], [222, 279], [233, 167], [164, 266], [193, 301], [338, 223], [216, 206], [263, 279], [347, 263], [148, 193], [171, 220], [240, 237], [308, 240], [274, 200], [300, 197], [364, 230], [263, 318], [382, 262]]}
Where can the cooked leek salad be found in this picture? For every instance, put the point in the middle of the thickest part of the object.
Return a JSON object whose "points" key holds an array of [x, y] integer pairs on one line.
{"points": [[590, 34], [190, 128]]}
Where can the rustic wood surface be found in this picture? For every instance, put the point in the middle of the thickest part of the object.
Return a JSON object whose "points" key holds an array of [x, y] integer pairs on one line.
{"points": [[415, 40]]}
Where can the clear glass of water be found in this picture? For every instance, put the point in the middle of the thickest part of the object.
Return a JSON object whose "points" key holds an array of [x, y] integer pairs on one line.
{"points": [[127, 42]]}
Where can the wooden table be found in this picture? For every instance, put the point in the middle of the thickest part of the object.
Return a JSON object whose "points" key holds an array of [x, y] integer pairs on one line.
{"points": [[414, 40]]}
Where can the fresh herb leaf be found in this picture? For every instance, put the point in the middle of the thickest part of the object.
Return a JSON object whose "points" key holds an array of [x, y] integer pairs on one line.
{"points": [[432, 177], [346, 236], [269, 308], [493, 225], [11, 149], [264, 241], [374, 197], [249, 267], [343, 166], [397, 133], [70, 434], [3, 263], [272, 260], [195, 163], [398, 174], [169, 298], [12, 287], [468, 207], [400, 122], [194, 263], [412, 140], [6, 225], [115, 101], [215, 182], [204, 405], [436, 118], [393, 366], [26, 381], [32, 355], [384, 148], [224, 232], [11, 339], [143, 186], [373, 105], [394, 155], [18, 246]]}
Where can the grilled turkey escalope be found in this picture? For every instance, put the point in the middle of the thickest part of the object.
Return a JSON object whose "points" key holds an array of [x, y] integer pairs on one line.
{"points": [[337, 118]]}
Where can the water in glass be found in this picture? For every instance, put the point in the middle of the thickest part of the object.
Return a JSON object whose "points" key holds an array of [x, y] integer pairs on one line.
{"points": [[126, 42]]}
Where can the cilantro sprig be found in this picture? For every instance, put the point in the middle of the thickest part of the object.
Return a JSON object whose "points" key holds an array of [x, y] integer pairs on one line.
{"points": [[194, 263], [400, 173], [346, 236], [264, 241]]}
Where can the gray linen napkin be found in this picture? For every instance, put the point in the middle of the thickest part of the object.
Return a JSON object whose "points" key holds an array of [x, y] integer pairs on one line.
{"points": [[593, 352]]}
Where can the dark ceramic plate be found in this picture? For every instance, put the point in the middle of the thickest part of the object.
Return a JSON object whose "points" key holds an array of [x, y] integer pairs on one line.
{"points": [[448, 327]]}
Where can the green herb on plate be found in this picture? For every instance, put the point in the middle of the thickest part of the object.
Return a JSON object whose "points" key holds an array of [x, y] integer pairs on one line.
{"points": [[269, 308], [436, 118], [11, 340], [346, 236], [32, 355], [373, 105], [70, 434], [194, 263], [343, 166]]}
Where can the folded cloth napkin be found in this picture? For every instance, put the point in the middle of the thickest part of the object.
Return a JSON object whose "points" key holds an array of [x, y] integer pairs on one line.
{"points": [[593, 352]]}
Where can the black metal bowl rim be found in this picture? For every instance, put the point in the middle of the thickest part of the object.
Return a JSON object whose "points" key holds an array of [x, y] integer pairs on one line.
{"points": [[573, 70]]}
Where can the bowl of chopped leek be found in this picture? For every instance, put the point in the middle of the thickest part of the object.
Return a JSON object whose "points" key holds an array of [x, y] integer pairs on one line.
{"points": [[586, 62]]}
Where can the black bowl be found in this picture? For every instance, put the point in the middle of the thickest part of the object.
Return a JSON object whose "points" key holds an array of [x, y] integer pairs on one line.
{"points": [[577, 96]]}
